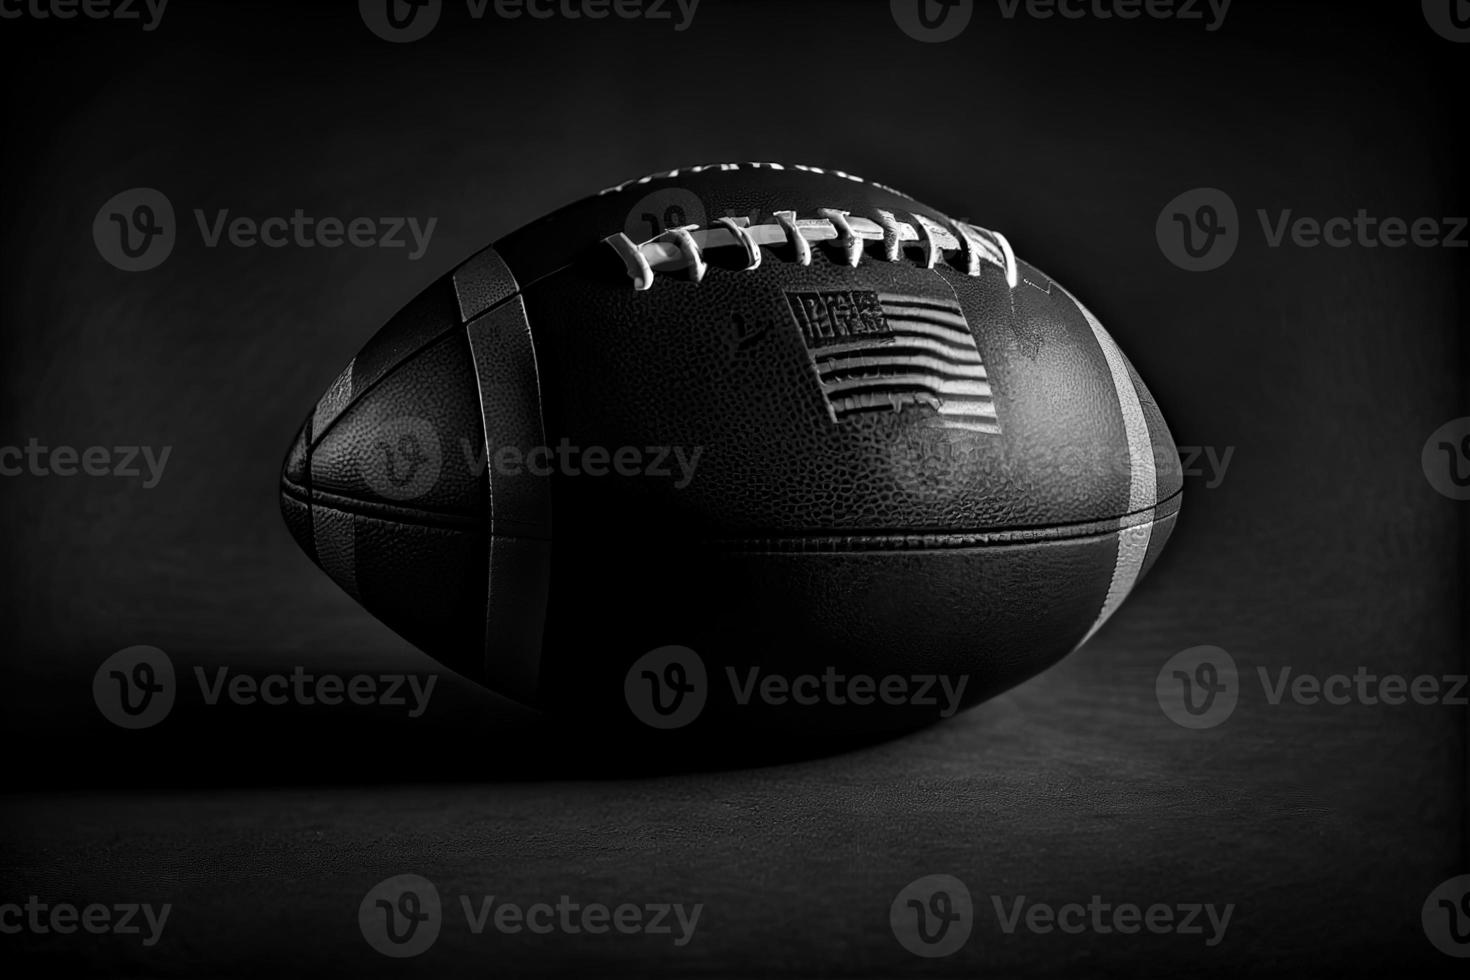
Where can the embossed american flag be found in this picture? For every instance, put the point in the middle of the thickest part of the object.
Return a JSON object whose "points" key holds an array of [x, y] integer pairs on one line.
{"points": [[887, 351]]}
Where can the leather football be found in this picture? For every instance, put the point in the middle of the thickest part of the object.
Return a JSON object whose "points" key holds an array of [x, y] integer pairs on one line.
{"points": [[741, 445]]}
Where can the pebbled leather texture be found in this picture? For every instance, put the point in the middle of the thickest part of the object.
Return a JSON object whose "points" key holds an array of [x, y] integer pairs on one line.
{"points": [[775, 519]]}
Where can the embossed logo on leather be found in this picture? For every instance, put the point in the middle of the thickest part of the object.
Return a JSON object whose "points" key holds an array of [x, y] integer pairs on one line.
{"points": [[886, 352]]}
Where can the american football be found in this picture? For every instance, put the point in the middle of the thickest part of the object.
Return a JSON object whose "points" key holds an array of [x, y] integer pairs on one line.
{"points": [[774, 442]]}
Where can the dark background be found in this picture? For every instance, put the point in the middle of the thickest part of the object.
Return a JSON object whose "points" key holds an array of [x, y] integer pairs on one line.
{"points": [[1323, 549]]}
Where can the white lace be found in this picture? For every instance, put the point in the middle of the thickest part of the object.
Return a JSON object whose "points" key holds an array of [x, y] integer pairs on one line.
{"points": [[684, 247]]}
